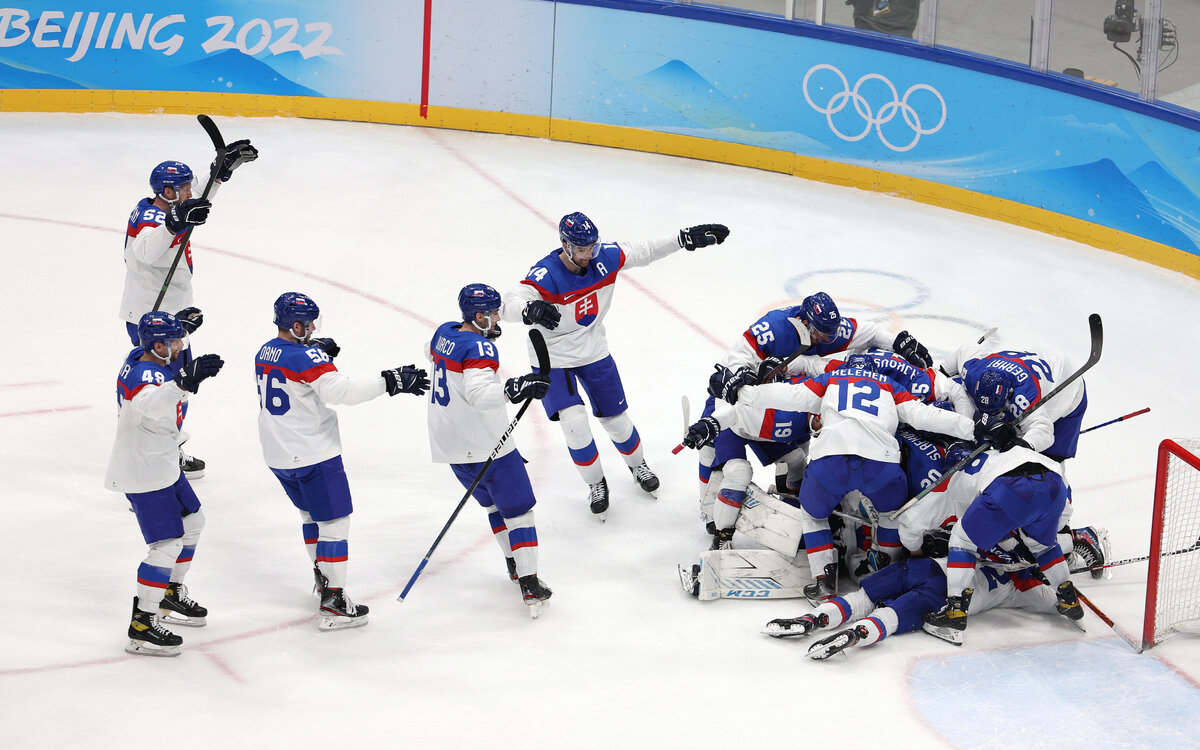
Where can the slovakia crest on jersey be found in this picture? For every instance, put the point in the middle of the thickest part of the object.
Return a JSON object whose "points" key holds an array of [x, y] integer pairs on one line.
{"points": [[586, 309]]}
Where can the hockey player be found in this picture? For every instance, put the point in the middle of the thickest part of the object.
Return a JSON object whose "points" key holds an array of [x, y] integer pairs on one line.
{"points": [[144, 466], [1014, 490], [568, 293], [894, 600], [774, 435], [813, 329], [855, 449], [153, 233], [922, 382], [467, 416], [1016, 380], [297, 380]]}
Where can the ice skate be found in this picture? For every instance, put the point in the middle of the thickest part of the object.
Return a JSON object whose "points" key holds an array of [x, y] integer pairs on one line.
{"points": [[339, 613], [1068, 604], [689, 578], [177, 608], [794, 626], [837, 643], [535, 593], [512, 569], [319, 581], [950, 623], [645, 478], [823, 586], [192, 467], [598, 498], [722, 539], [1092, 549], [148, 638]]}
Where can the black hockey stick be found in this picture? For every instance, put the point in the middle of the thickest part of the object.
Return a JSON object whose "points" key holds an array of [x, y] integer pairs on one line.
{"points": [[1096, 330], [1195, 546], [1114, 421], [543, 358], [210, 127]]}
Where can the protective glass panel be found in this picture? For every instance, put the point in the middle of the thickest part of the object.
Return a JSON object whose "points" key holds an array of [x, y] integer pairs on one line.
{"points": [[1093, 39], [801, 9], [895, 17], [998, 29], [1179, 54]]}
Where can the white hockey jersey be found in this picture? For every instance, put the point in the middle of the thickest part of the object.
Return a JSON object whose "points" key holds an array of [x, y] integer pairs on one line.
{"points": [[145, 453], [295, 382], [582, 300], [149, 252], [860, 412], [467, 413]]}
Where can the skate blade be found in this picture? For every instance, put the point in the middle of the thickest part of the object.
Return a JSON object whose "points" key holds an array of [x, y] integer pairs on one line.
{"points": [[167, 617], [1077, 623], [139, 648], [536, 607], [822, 651], [779, 630], [340, 622], [949, 635], [688, 578], [192, 476], [602, 515]]}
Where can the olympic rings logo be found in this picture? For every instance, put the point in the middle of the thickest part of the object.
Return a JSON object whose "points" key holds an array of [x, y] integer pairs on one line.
{"points": [[873, 119]]}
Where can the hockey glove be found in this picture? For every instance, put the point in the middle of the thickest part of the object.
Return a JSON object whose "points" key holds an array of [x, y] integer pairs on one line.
{"points": [[702, 433], [936, 543], [193, 212], [199, 369], [406, 379], [190, 318], [493, 334], [702, 235], [766, 367], [907, 346], [725, 383], [542, 313], [329, 346], [236, 154], [999, 434], [533, 385]]}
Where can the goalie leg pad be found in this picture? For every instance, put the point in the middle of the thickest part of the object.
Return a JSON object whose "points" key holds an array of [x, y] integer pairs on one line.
{"points": [[751, 574], [770, 521]]}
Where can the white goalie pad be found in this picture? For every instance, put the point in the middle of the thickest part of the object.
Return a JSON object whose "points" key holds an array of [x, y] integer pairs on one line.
{"points": [[750, 574], [770, 521]]}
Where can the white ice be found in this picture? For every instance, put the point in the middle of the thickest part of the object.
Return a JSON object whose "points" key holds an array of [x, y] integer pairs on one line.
{"points": [[383, 225]]}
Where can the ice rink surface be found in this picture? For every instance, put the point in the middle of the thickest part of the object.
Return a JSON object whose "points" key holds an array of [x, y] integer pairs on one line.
{"points": [[382, 225]]}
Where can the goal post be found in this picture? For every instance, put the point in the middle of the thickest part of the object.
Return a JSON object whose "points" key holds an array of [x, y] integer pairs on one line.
{"points": [[1173, 580]]}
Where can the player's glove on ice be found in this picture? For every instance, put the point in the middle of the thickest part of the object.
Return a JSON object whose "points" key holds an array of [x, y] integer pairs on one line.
{"points": [[407, 379], [702, 235], [199, 369]]}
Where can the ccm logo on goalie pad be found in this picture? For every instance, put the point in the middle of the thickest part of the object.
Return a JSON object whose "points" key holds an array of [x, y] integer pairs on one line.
{"points": [[749, 588]]}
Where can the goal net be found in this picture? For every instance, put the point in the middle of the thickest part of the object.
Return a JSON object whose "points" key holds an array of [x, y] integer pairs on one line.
{"points": [[1173, 582]]}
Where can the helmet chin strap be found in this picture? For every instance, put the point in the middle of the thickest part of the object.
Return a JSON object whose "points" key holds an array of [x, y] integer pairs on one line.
{"points": [[163, 195], [308, 332], [154, 353], [491, 324]]}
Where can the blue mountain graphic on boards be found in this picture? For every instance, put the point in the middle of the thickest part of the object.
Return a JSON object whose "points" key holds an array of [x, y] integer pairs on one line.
{"points": [[12, 77], [1173, 200], [1098, 192], [233, 72], [679, 88]]}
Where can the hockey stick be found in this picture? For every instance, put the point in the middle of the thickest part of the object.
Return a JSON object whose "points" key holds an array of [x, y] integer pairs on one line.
{"points": [[1096, 330], [210, 127], [543, 358], [687, 422], [1195, 546], [1137, 647], [987, 335], [1114, 421]]}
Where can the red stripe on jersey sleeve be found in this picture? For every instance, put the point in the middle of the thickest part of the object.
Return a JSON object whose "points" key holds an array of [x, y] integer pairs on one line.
{"points": [[904, 396], [128, 393], [815, 387], [312, 373]]}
